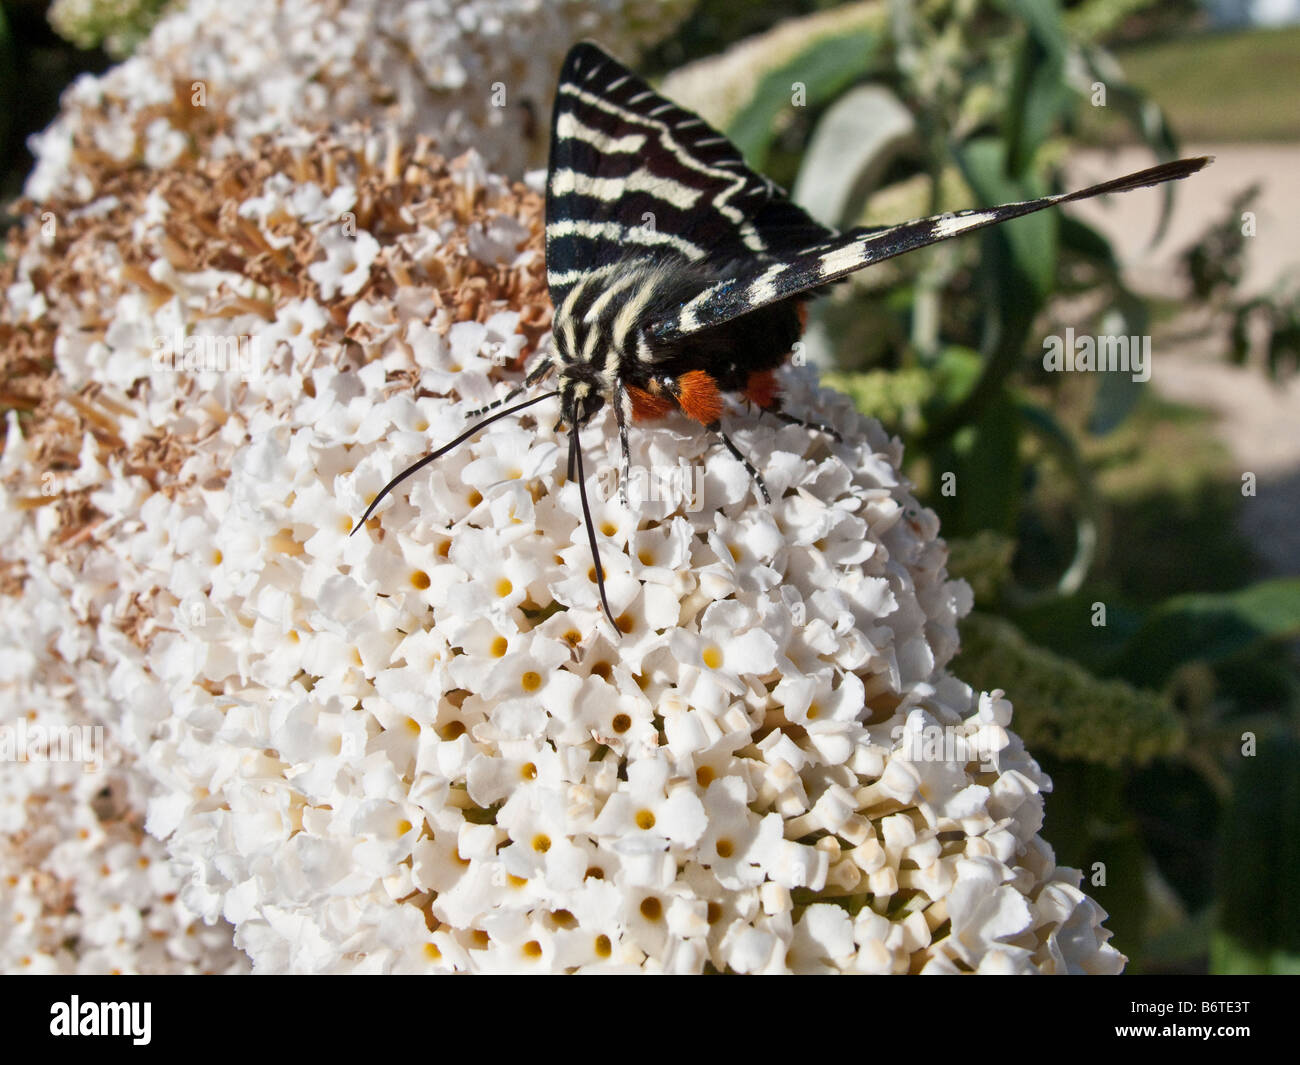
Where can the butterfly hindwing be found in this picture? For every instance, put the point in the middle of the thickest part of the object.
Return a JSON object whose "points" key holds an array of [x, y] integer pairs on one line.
{"points": [[632, 173]]}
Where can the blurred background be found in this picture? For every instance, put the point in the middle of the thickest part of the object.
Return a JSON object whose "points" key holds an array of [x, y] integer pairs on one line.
{"points": [[1134, 546]]}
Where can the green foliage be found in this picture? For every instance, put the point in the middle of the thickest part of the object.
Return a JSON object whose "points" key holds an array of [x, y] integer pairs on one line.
{"points": [[1094, 20], [1060, 706], [980, 461], [896, 398], [1212, 628], [823, 71], [1092, 826], [1215, 263], [1214, 266], [984, 562], [1258, 924], [1215, 88], [115, 25], [1279, 312]]}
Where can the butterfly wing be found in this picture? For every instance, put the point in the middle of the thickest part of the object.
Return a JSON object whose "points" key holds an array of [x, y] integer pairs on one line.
{"points": [[631, 172], [830, 259]]}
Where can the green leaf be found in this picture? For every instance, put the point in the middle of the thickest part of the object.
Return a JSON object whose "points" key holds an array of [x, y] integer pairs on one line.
{"points": [[1088, 822], [1058, 440], [1043, 17], [1142, 113], [1082, 240], [1064, 625], [1258, 928], [1032, 239], [983, 458], [1211, 628], [1061, 708], [824, 70], [1039, 96], [854, 142], [1229, 956], [1115, 399], [956, 372], [1181, 948], [1118, 393]]}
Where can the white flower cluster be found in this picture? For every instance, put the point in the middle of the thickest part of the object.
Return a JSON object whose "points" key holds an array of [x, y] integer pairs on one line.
{"points": [[83, 888], [469, 73], [421, 748]]}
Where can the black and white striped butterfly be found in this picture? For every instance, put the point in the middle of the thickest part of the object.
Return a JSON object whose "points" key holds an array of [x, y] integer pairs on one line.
{"points": [[678, 274]]}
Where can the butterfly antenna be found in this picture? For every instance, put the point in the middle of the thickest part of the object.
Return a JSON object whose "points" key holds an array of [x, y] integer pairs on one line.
{"points": [[575, 458], [416, 466]]}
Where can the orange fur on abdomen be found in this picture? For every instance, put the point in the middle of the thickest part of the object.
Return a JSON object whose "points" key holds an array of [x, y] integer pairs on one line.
{"points": [[762, 390], [646, 406], [699, 397]]}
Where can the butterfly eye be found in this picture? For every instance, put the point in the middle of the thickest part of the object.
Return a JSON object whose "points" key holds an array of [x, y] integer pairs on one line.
{"points": [[590, 406]]}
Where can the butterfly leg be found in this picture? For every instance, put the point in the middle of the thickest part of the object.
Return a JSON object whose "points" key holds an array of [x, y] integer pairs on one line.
{"points": [[622, 414], [716, 429], [763, 391], [816, 426]]}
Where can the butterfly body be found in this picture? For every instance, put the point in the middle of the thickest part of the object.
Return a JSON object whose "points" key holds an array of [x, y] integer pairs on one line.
{"points": [[603, 353], [678, 275]]}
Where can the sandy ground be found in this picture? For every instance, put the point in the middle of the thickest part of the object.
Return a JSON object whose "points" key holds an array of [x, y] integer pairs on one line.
{"points": [[1259, 421]]}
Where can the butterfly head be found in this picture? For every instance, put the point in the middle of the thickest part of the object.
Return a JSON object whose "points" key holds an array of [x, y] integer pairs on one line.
{"points": [[588, 354], [580, 397]]}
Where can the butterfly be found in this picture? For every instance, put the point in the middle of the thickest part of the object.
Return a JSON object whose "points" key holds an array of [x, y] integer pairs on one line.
{"points": [[679, 275]]}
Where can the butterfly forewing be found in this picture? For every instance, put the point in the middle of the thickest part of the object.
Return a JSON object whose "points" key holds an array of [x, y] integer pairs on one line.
{"points": [[634, 174]]}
